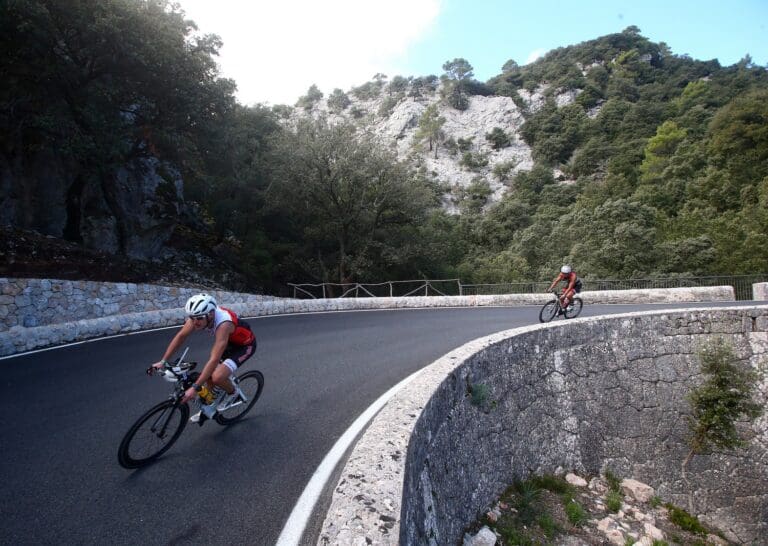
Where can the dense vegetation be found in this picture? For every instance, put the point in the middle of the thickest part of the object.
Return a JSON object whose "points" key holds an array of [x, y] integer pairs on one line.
{"points": [[669, 154]]}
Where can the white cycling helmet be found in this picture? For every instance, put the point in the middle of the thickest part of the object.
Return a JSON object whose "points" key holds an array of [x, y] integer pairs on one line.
{"points": [[565, 269], [200, 304]]}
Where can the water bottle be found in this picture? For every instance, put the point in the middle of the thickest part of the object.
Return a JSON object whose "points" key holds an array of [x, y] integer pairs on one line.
{"points": [[205, 394], [209, 399]]}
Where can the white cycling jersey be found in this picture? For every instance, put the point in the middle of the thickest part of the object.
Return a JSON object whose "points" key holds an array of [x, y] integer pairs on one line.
{"points": [[219, 316]]}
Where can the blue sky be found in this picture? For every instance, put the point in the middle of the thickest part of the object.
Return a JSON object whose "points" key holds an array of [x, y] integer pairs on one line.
{"points": [[489, 32], [275, 50]]}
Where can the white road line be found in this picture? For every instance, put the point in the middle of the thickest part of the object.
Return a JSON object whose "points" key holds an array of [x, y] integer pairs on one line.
{"points": [[92, 340], [297, 521]]}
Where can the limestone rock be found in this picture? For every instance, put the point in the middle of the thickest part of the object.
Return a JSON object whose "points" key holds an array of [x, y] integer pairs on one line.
{"points": [[637, 490], [484, 537], [573, 479]]}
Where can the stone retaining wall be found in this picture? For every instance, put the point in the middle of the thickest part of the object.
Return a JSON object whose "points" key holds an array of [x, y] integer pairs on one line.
{"points": [[115, 308], [588, 395], [40, 302]]}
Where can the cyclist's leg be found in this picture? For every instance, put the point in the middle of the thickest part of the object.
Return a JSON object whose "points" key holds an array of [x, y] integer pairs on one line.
{"points": [[567, 296], [222, 373], [234, 356]]}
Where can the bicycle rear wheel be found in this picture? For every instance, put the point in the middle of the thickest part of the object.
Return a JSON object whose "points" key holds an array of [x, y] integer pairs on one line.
{"points": [[548, 312], [153, 434], [251, 385], [574, 308]]}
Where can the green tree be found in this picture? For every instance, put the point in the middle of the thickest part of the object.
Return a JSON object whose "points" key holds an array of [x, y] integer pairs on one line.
{"points": [[660, 149], [398, 85], [338, 101], [458, 69], [313, 96], [554, 133], [430, 127], [738, 137], [348, 197], [510, 66], [95, 85], [456, 79], [618, 238], [423, 86], [475, 196]]}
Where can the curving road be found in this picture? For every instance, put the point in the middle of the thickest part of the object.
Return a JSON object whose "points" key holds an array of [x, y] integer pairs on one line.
{"points": [[64, 412]]}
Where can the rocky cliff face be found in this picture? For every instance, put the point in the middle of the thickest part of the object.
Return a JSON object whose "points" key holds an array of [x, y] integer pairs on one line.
{"points": [[396, 120], [129, 211]]}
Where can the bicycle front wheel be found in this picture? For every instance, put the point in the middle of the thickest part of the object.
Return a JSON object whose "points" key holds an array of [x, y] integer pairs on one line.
{"points": [[153, 434], [548, 312], [251, 385], [574, 308]]}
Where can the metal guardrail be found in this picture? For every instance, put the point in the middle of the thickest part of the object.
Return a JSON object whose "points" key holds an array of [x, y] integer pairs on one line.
{"points": [[440, 287], [742, 285]]}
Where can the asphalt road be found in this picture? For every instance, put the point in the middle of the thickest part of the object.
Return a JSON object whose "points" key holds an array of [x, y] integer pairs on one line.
{"points": [[65, 411]]}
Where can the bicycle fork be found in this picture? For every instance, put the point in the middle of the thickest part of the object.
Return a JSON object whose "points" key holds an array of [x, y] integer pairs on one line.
{"points": [[160, 425]]}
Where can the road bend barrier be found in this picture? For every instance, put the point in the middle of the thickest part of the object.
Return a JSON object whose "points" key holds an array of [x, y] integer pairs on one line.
{"points": [[586, 395]]}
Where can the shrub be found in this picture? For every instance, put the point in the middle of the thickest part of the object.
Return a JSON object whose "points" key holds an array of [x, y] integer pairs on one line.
{"points": [[473, 161], [503, 171], [723, 399], [498, 138], [338, 100], [479, 394], [464, 144]]}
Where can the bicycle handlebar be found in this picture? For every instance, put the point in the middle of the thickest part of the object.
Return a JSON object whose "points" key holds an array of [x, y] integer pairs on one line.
{"points": [[176, 368]]}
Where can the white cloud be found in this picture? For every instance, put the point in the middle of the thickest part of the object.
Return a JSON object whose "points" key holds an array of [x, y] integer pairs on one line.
{"points": [[535, 54], [276, 50]]}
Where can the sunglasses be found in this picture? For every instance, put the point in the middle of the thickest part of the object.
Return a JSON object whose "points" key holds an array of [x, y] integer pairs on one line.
{"points": [[199, 317]]}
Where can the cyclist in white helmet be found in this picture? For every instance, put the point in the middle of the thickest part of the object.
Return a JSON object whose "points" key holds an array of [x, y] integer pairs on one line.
{"points": [[572, 285], [233, 344]]}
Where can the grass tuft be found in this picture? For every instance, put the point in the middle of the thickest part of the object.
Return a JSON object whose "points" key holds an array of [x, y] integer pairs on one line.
{"points": [[576, 513], [684, 520]]}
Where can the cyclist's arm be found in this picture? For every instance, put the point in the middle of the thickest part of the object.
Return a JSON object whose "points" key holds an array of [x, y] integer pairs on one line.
{"points": [[554, 283], [181, 336], [177, 341], [223, 332]]}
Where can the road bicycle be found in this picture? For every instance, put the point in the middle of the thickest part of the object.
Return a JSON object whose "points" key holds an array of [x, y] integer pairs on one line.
{"points": [[554, 308], [158, 429]]}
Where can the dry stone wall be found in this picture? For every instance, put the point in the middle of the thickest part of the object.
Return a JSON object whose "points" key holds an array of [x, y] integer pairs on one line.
{"points": [[41, 302], [585, 395]]}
